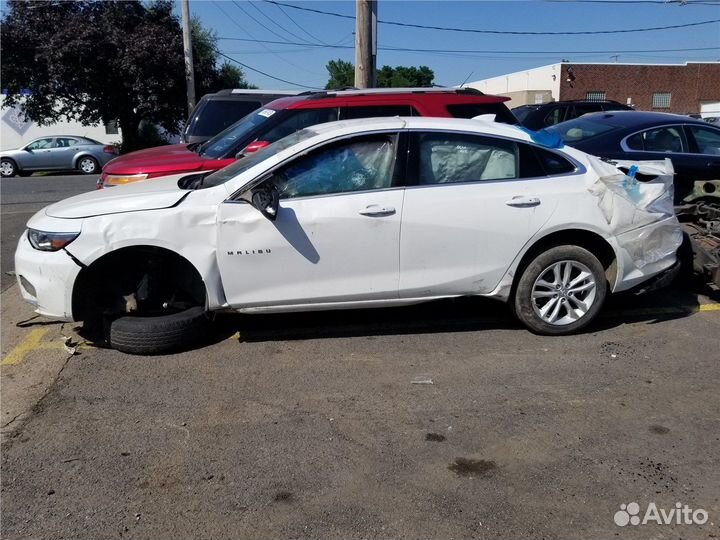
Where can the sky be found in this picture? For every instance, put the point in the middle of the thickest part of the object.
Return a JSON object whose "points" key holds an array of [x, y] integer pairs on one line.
{"points": [[304, 65]]}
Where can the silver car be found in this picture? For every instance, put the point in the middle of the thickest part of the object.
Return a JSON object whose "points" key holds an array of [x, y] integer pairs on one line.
{"points": [[57, 153]]}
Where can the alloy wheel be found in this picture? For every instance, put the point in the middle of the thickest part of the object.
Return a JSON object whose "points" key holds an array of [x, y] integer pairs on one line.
{"points": [[564, 292]]}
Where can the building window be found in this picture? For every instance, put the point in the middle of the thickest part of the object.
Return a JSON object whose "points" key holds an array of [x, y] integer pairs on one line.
{"points": [[111, 128], [661, 100], [596, 95]]}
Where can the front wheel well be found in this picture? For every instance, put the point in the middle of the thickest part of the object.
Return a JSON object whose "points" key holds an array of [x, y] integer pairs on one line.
{"points": [[145, 279], [588, 240]]}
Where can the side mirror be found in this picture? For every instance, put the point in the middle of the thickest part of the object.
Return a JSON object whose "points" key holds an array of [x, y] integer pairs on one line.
{"points": [[267, 200]]}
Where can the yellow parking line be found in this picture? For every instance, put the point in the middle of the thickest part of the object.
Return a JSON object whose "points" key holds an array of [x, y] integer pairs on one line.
{"points": [[709, 307], [32, 342]]}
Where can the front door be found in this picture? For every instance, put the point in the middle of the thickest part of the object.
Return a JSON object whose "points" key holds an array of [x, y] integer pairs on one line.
{"points": [[37, 154], [336, 236]]}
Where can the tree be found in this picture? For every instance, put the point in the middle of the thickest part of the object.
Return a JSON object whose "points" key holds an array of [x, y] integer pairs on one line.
{"points": [[97, 62], [342, 73]]}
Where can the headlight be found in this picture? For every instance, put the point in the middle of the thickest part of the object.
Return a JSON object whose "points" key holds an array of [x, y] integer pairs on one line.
{"points": [[122, 179], [50, 241]]}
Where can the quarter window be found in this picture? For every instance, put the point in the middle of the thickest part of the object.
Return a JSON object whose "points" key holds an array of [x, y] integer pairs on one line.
{"points": [[446, 158], [707, 140], [361, 164]]}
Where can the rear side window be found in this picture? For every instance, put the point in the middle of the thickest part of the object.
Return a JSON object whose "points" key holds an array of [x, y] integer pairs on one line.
{"points": [[664, 139], [216, 115], [471, 110], [447, 158], [299, 119], [583, 108], [380, 110]]}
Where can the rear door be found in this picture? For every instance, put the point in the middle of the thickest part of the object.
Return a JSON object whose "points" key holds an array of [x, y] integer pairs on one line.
{"points": [[471, 204], [64, 152]]}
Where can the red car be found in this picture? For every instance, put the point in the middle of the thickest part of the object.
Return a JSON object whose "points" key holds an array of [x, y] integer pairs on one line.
{"points": [[287, 115]]}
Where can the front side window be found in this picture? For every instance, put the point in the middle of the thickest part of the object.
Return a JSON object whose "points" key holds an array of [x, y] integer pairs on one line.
{"points": [[40, 144], [299, 119], [446, 158], [707, 139], [360, 164], [664, 139]]}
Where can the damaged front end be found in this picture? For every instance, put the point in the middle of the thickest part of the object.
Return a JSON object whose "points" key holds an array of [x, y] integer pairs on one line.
{"points": [[700, 218]]}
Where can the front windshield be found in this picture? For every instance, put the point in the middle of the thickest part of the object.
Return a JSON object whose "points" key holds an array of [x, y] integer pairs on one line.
{"points": [[223, 142], [580, 129], [245, 163]]}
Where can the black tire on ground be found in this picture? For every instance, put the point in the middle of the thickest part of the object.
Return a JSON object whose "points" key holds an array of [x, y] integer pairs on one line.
{"points": [[8, 168], [25, 174], [523, 303], [161, 334], [84, 164]]}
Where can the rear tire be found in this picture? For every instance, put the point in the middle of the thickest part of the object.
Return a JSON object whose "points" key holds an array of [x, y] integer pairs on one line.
{"points": [[561, 291], [7, 168], [88, 165], [161, 334]]}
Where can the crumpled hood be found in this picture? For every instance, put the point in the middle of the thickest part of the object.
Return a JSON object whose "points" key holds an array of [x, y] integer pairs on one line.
{"points": [[154, 195], [161, 159]]}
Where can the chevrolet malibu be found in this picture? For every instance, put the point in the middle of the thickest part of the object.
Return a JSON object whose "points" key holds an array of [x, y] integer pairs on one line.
{"points": [[356, 214]]}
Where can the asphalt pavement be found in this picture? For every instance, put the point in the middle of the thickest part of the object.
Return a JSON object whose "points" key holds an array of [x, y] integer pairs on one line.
{"points": [[20, 198], [443, 420]]}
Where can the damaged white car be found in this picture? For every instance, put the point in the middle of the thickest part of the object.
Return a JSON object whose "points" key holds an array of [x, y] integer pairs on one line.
{"points": [[356, 214]]}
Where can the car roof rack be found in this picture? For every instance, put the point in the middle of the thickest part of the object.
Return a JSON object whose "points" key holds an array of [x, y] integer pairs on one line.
{"points": [[352, 91], [230, 91]]}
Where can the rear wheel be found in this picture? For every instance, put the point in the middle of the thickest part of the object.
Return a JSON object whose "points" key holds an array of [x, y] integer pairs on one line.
{"points": [[88, 165], [7, 168], [561, 291]]}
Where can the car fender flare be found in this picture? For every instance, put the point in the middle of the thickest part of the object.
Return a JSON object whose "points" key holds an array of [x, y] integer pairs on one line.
{"points": [[203, 261], [82, 154], [504, 288]]}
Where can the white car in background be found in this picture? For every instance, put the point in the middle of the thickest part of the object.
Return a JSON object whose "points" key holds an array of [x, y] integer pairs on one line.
{"points": [[355, 214]]}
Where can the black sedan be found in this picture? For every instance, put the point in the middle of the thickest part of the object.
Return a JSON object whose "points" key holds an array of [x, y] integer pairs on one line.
{"points": [[692, 145]]}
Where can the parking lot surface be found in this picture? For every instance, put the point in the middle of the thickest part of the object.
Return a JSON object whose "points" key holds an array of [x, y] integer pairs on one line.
{"points": [[445, 420]]}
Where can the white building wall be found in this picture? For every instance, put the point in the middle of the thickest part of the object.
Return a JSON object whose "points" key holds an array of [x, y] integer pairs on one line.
{"points": [[541, 78], [15, 130]]}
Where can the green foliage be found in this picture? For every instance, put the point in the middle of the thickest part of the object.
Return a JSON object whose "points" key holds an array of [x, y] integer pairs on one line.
{"points": [[401, 76], [95, 62], [342, 73]]}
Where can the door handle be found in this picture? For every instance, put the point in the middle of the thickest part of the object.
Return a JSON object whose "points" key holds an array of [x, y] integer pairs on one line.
{"points": [[375, 210], [520, 201]]}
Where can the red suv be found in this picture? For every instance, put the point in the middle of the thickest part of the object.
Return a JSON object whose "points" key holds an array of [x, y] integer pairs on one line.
{"points": [[287, 115]]}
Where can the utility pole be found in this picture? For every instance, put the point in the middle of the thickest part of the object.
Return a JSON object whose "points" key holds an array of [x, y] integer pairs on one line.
{"points": [[364, 59], [187, 48]]}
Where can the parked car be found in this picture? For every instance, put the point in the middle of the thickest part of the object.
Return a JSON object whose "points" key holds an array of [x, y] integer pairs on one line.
{"points": [[692, 145], [56, 153], [214, 112], [313, 222], [284, 116], [548, 114]]}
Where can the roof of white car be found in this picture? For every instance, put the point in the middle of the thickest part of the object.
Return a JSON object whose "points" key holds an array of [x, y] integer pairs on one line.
{"points": [[480, 125]]}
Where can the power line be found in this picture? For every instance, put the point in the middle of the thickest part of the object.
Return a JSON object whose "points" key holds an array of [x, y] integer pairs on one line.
{"points": [[263, 73], [500, 32], [472, 51], [237, 5], [276, 23], [296, 24]]}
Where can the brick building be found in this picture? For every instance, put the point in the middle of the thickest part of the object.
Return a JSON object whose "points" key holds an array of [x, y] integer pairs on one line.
{"points": [[676, 88]]}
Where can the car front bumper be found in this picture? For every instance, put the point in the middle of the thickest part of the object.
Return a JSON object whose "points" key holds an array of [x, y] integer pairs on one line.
{"points": [[46, 279]]}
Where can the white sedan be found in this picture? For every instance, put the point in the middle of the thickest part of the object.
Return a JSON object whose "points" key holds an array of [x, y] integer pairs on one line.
{"points": [[355, 214]]}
